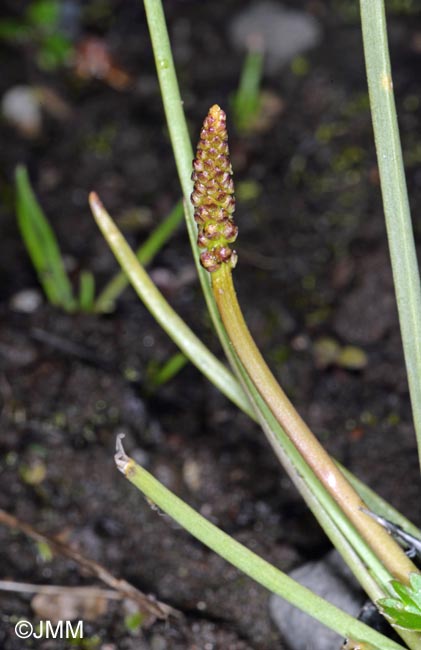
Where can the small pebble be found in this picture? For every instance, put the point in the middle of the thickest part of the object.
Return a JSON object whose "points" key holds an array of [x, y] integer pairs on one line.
{"points": [[192, 474], [26, 301], [285, 33], [329, 578], [20, 106]]}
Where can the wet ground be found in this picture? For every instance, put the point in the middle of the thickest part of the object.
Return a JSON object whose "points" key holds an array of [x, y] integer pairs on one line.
{"points": [[313, 265]]}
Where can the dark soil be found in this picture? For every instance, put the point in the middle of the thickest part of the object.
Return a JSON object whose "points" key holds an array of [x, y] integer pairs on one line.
{"points": [[313, 263]]}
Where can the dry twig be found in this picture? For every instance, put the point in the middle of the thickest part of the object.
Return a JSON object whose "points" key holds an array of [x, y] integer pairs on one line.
{"points": [[151, 607]]}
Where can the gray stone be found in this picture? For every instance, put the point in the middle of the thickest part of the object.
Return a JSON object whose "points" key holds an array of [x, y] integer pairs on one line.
{"points": [[281, 33], [21, 107], [329, 578], [26, 301]]}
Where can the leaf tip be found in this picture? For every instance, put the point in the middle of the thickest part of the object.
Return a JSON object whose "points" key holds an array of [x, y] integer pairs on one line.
{"points": [[121, 458], [94, 201]]}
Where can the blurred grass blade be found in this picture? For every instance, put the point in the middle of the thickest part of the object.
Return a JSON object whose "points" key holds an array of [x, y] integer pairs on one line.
{"points": [[41, 244], [168, 371], [170, 322], [395, 197], [246, 101], [248, 562], [86, 291], [145, 253]]}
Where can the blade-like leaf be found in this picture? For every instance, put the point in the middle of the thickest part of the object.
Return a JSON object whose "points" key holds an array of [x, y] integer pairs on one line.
{"points": [[400, 235], [245, 560], [86, 291], [41, 244], [145, 253]]}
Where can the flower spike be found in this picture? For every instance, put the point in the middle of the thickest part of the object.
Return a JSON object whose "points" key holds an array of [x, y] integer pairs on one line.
{"points": [[213, 193]]}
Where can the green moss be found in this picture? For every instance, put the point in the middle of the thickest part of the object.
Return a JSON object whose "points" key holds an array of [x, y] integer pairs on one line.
{"points": [[300, 66], [101, 142]]}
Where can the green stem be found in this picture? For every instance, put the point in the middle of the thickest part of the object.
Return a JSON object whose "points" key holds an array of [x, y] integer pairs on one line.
{"points": [[173, 105], [176, 122], [145, 253], [248, 562], [395, 196], [392, 556]]}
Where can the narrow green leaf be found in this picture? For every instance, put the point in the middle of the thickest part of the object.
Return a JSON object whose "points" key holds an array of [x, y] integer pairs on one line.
{"points": [[145, 254], [248, 562], [395, 196], [42, 245], [246, 101], [168, 371], [86, 291]]}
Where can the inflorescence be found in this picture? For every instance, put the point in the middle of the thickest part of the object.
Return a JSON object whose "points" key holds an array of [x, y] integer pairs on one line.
{"points": [[213, 193]]}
